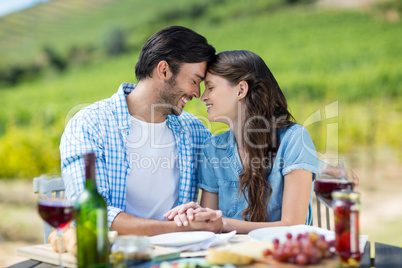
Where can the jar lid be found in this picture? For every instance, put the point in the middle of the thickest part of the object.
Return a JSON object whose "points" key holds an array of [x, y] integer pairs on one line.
{"points": [[131, 243], [346, 194]]}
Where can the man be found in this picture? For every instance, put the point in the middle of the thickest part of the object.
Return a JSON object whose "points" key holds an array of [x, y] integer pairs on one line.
{"points": [[146, 146]]}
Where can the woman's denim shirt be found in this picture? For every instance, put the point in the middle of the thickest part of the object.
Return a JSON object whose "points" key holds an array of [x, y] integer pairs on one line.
{"points": [[220, 167]]}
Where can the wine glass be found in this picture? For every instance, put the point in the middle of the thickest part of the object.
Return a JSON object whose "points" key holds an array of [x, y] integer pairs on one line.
{"points": [[54, 207], [333, 174]]}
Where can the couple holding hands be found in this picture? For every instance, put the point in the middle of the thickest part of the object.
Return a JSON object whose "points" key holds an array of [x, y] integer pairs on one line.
{"points": [[152, 157]]}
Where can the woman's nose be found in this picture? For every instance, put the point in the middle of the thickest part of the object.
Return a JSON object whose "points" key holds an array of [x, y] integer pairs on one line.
{"points": [[204, 96]]}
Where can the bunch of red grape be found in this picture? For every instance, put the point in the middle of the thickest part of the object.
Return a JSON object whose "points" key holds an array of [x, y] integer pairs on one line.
{"points": [[308, 248]]}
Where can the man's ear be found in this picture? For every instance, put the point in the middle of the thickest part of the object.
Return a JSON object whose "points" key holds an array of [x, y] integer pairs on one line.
{"points": [[163, 70], [242, 90]]}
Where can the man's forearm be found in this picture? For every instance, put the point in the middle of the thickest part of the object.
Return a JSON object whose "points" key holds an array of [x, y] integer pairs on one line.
{"points": [[126, 224]]}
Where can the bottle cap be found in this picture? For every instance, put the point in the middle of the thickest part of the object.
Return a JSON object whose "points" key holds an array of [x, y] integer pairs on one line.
{"points": [[346, 194]]}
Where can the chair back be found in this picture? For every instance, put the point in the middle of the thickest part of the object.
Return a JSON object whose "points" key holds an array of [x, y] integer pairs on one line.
{"points": [[322, 214], [53, 186]]}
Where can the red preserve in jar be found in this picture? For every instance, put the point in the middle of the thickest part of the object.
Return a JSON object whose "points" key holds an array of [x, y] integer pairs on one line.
{"points": [[346, 205]]}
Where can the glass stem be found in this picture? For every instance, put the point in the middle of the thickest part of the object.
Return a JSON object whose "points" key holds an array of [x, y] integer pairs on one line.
{"points": [[60, 245]]}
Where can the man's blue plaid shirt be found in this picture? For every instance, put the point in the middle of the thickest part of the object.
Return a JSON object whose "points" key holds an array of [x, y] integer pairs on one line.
{"points": [[103, 128]]}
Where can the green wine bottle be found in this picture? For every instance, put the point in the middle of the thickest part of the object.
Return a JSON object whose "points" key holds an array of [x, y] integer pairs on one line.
{"points": [[91, 221]]}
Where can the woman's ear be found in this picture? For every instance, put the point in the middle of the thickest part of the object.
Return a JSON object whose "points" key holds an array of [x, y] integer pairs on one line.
{"points": [[163, 70], [242, 90]]}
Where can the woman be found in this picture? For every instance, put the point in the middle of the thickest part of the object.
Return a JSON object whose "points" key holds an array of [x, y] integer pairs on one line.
{"points": [[259, 173]]}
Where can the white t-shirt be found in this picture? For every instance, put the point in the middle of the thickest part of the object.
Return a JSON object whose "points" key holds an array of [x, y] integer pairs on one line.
{"points": [[153, 184]]}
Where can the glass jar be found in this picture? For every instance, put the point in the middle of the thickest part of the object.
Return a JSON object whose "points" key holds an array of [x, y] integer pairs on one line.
{"points": [[130, 250], [346, 205]]}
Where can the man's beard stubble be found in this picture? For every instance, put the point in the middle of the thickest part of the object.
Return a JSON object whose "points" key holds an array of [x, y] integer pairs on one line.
{"points": [[169, 96]]}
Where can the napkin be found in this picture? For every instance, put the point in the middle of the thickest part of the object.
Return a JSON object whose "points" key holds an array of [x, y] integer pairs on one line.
{"points": [[217, 239]]}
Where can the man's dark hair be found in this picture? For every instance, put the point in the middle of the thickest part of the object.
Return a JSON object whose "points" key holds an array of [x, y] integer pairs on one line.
{"points": [[176, 45]]}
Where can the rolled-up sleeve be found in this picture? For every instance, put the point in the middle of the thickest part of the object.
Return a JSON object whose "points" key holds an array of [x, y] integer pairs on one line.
{"points": [[299, 151]]}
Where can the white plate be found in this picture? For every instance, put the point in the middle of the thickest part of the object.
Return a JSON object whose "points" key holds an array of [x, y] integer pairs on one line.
{"points": [[270, 233], [180, 238]]}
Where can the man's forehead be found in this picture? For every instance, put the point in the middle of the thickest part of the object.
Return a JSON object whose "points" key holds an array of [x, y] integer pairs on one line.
{"points": [[202, 77], [195, 69]]}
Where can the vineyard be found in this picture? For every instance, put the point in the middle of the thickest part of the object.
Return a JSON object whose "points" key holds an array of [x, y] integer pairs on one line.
{"points": [[341, 67]]}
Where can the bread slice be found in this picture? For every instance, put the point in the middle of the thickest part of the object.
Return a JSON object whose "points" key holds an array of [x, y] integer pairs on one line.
{"points": [[221, 257]]}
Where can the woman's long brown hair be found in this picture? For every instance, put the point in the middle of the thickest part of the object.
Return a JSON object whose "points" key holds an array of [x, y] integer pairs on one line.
{"points": [[266, 110]]}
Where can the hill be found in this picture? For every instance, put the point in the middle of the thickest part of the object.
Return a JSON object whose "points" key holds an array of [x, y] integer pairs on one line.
{"points": [[348, 58]]}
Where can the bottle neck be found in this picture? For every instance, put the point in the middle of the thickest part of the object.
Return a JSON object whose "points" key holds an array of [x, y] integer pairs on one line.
{"points": [[90, 183], [90, 171]]}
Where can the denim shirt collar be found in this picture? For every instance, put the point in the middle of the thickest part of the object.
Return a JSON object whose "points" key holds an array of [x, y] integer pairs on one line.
{"points": [[225, 140]]}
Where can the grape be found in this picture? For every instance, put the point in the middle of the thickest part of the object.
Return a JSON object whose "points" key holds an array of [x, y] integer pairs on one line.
{"points": [[321, 244], [307, 248], [313, 237], [313, 260], [299, 236], [289, 236], [314, 252], [266, 252], [292, 259], [287, 252], [296, 251], [301, 259]]}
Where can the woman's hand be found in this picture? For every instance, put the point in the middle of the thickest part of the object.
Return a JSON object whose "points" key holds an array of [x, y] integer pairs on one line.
{"points": [[203, 214], [182, 214], [212, 218], [355, 179]]}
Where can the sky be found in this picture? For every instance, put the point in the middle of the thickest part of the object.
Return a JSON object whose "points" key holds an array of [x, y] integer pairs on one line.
{"points": [[10, 6]]}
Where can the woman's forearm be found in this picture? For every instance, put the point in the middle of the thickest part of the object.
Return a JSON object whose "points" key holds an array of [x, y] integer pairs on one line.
{"points": [[244, 227]]}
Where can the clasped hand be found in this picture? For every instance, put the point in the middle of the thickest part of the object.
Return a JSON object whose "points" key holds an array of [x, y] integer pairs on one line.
{"points": [[192, 212]]}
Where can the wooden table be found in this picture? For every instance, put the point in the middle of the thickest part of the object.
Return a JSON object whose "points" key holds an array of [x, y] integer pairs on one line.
{"points": [[386, 256]]}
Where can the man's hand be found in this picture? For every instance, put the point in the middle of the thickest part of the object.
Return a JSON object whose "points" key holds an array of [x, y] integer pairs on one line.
{"points": [[205, 219]]}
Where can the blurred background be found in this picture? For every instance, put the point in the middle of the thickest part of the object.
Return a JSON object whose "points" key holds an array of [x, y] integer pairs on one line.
{"points": [[339, 63]]}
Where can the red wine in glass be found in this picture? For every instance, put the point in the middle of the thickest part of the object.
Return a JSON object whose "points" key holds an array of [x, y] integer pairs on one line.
{"points": [[58, 213], [53, 206], [324, 187]]}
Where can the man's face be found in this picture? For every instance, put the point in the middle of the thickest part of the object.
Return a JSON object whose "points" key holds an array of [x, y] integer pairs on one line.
{"points": [[176, 91]]}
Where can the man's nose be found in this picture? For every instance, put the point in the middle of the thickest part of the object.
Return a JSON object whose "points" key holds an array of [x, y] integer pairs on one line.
{"points": [[196, 93]]}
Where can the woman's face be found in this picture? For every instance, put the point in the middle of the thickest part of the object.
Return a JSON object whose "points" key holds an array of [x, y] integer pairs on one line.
{"points": [[221, 99]]}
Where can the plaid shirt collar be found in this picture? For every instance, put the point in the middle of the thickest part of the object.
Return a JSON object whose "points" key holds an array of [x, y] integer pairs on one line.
{"points": [[123, 121]]}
